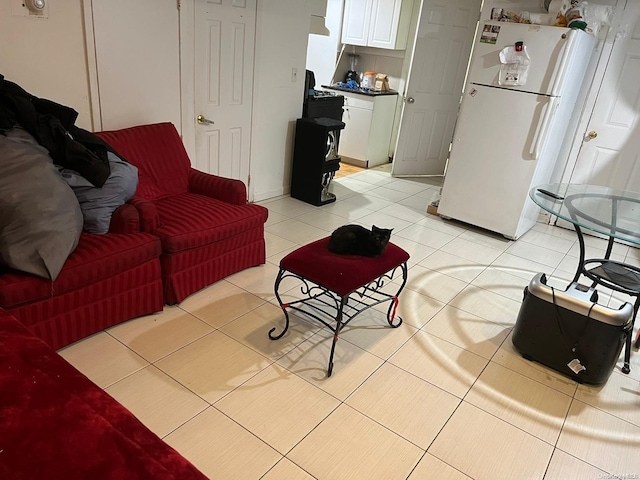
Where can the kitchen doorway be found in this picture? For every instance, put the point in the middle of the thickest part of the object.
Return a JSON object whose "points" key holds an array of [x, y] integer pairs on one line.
{"points": [[347, 169]]}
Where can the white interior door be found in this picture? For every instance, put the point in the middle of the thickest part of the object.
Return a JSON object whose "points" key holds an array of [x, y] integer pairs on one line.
{"points": [[439, 63], [223, 80], [611, 158]]}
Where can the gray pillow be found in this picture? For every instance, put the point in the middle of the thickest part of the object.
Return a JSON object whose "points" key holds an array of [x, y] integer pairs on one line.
{"points": [[99, 203], [40, 219]]}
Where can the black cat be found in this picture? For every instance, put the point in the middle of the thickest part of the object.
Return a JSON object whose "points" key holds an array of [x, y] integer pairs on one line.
{"points": [[357, 240]]}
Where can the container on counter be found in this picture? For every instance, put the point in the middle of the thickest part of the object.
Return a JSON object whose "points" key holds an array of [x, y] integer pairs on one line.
{"points": [[368, 80]]}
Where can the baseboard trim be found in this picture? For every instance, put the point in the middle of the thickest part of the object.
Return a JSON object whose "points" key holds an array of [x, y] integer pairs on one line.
{"points": [[354, 161], [258, 197]]}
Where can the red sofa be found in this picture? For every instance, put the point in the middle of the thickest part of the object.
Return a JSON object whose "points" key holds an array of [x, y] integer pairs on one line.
{"points": [[106, 280], [182, 231], [207, 229], [56, 424]]}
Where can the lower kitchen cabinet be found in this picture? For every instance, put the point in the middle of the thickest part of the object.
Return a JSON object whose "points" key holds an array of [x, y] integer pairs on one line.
{"points": [[369, 121]]}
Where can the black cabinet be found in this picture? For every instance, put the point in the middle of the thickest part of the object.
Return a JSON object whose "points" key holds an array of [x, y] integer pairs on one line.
{"points": [[315, 159]]}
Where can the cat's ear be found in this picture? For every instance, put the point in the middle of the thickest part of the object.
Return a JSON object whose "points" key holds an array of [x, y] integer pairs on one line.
{"points": [[375, 229]]}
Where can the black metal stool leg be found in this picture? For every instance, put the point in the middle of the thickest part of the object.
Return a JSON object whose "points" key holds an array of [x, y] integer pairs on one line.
{"points": [[330, 307], [626, 368], [282, 306], [336, 333], [636, 307], [391, 312], [627, 349]]}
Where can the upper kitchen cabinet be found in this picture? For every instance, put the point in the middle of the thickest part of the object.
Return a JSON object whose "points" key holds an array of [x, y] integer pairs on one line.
{"points": [[377, 23]]}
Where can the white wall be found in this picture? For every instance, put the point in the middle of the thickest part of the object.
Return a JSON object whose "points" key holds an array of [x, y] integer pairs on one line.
{"points": [[138, 68], [47, 56], [322, 50], [281, 44], [376, 60]]}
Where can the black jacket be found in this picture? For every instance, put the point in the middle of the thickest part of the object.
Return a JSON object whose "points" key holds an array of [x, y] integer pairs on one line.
{"points": [[53, 126]]}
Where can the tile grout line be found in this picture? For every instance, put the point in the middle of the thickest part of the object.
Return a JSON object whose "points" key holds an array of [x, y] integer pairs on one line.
{"points": [[342, 402]]}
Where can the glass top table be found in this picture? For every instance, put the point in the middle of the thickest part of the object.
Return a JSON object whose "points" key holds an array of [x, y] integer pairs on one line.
{"points": [[613, 213]]}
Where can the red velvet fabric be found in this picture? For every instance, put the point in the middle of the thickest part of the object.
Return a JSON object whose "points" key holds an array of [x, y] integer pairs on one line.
{"points": [[149, 219], [56, 424], [64, 319], [342, 274], [158, 153], [193, 270], [225, 189], [125, 219], [96, 257], [190, 221], [207, 229], [179, 261], [107, 280]]}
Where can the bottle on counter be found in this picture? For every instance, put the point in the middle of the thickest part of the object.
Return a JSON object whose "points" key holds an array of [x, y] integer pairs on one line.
{"points": [[368, 80]]}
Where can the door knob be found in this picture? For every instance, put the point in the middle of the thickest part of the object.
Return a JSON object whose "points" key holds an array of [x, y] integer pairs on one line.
{"points": [[592, 134], [411, 100], [204, 121]]}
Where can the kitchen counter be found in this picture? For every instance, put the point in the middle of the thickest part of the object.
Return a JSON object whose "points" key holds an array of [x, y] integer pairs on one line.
{"points": [[368, 119], [369, 93]]}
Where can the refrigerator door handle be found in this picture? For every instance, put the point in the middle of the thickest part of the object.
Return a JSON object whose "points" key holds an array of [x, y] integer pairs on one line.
{"points": [[567, 55], [543, 129]]}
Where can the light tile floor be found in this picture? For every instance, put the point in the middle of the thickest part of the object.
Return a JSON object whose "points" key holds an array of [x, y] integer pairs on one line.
{"points": [[443, 396]]}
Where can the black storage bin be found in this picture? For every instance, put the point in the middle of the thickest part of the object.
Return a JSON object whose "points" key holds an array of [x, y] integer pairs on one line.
{"points": [[569, 332]]}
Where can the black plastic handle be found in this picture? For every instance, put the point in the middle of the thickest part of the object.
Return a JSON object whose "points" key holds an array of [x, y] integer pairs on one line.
{"points": [[550, 194]]}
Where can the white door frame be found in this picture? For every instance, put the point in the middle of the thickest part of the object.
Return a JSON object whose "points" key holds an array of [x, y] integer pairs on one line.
{"points": [[92, 66], [187, 40]]}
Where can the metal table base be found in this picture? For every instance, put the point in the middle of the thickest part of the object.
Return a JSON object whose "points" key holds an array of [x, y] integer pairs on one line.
{"points": [[320, 301]]}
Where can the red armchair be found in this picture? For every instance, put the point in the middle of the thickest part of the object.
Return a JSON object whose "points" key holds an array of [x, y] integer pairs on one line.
{"points": [[207, 229]]}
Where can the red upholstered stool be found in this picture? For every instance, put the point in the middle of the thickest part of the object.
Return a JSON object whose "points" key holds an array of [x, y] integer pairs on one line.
{"points": [[343, 285]]}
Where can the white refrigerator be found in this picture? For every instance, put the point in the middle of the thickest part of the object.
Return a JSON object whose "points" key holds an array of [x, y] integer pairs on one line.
{"points": [[509, 138]]}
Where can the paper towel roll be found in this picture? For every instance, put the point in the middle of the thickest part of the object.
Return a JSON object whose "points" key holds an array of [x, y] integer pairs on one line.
{"points": [[542, 18]]}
